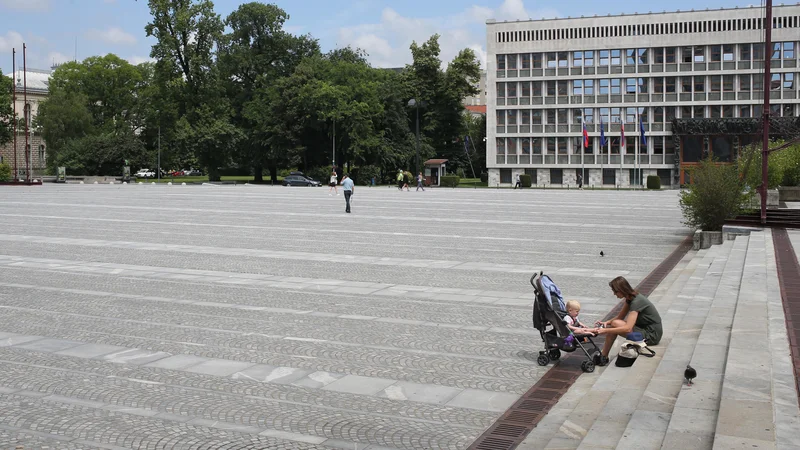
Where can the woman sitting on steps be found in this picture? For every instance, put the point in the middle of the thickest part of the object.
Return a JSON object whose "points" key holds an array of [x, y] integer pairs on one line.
{"points": [[637, 314]]}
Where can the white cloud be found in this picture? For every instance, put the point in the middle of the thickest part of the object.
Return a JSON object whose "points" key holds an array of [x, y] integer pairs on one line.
{"points": [[25, 5], [12, 39], [111, 35], [58, 58], [136, 60], [388, 41]]}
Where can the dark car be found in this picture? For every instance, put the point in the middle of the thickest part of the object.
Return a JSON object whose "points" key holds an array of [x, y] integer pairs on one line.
{"points": [[299, 180]]}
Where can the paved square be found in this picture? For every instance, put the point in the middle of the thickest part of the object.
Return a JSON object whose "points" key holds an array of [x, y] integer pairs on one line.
{"points": [[144, 316]]}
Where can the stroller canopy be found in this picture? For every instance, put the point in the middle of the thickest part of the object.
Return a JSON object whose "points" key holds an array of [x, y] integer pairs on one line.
{"points": [[552, 293]]}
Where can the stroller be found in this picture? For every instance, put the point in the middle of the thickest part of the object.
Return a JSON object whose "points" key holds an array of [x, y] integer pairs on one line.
{"points": [[549, 311]]}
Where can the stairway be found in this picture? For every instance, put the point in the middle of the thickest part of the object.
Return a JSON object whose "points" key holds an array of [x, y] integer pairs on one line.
{"points": [[722, 313]]}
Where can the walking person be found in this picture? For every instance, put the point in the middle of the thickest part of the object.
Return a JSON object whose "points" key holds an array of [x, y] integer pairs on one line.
{"points": [[419, 183], [347, 186], [580, 181], [519, 184], [334, 181], [400, 179]]}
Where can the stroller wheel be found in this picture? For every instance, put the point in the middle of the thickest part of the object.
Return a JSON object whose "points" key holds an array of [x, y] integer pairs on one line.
{"points": [[555, 354], [543, 360], [587, 366]]}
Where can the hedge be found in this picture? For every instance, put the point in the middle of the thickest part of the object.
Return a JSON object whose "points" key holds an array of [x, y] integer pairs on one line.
{"points": [[449, 180], [653, 182], [525, 180], [5, 172]]}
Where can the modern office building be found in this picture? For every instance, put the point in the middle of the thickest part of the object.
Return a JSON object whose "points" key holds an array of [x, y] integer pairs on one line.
{"points": [[695, 79]]}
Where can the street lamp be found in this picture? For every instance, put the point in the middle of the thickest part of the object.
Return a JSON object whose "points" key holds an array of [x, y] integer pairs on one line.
{"points": [[158, 113], [414, 103]]}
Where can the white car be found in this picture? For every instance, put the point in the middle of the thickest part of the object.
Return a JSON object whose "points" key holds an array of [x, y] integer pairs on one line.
{"points": [[145, 173]]}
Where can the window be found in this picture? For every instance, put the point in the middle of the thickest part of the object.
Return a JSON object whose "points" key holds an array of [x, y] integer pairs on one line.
{"points": [[501, 62], [556, 176], [588, 87], [758, 52], [536, 143], [630, 86], [526, 89], [643, 85], [670, 85], [551, 60], [686, 112], [526, 146], [775, 83], [658, 55], [658, 145], [501, 117], [616, 86], [537, 88], [562, 146], [776, 50], [615, 115], [727, 52], [727, 111], [699, 112], [716, 83], [551, 146], [788, 82], [630, 115], [577, 59], [563, 59], [588, 115], [604, 115], [642, 56], [727, 83], [744, 83], [505, 176], [588, 59], [716, 53], [563, 88], [758, 83], [686, 85], [670, 54], [687, 54], [577, 87], [511, 146], [788, 50], [616, 57], [604, 57], [562, 116], [699, 54], [551, 88], [537, 60], [744, 111], [536, 117], [577, 116], [669, 113], [525, 118], [699, 84], [501, 146], [744, 52], [501, 90], [512, 117], [27, 113], [716, 111], [788, 110], [511, 90], [658, 114], [630, 57], [41, 153], [604, 86], [526, 61]]}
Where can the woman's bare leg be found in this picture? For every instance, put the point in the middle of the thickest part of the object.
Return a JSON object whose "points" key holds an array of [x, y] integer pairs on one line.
{"points": [[610, 338]]}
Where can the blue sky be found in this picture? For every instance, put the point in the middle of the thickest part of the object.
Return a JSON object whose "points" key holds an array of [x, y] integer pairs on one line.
{"points": [[384, 28]]}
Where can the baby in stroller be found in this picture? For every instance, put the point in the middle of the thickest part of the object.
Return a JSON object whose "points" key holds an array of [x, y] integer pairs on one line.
{"points": [[560, 330]]}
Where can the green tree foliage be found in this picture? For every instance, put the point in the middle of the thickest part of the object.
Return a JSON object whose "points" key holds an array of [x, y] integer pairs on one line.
{"points": [[6, 109], [715, 194], [783, 166], [5, 172], [102, 154]]}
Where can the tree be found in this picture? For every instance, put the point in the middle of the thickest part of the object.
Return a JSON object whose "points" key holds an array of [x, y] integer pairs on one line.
{"points": [[6, 109]]}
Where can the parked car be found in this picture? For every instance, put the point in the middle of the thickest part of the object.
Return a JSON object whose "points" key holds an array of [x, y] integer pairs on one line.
{"points": [[145, 173], [176, 173], [192, 173], [300, 180]]}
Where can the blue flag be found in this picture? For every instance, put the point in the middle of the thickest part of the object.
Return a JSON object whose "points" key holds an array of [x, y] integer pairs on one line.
{"points": [[466, 145], [641, 131], [603, 141]]}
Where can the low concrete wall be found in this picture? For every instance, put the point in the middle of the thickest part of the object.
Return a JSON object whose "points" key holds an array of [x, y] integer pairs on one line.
{"points": [[789, 194], [705, 239]]}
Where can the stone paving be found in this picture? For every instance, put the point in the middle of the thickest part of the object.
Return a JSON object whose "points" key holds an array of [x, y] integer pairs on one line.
{"points": [[260, 317]]}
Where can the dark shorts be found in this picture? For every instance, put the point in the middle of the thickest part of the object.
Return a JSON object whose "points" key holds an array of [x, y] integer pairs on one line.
{"points": [[332, 184]]}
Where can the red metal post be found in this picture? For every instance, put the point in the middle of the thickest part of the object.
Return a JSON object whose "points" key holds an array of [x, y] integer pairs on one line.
{"points": [[27, 112], [14, 102], [767, 92]]}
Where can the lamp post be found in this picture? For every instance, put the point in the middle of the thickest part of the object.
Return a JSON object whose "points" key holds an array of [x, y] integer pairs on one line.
{"points": [[415, 104]]}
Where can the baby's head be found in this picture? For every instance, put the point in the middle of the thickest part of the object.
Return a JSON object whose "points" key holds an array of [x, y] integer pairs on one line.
{"points": [[573, 308]]}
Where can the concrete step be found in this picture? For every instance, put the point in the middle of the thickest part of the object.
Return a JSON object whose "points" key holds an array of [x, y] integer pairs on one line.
{"points": [[694, 415], [649, 395], [554, 422], [598, 419]]}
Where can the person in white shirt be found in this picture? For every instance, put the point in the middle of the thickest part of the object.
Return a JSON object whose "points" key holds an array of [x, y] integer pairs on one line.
{"points": [[348, 187], [334, 181], [518, 185]]}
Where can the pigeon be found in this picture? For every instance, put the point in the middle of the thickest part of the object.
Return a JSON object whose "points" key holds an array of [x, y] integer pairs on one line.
{"points": [[601, 253], [689, 374]]}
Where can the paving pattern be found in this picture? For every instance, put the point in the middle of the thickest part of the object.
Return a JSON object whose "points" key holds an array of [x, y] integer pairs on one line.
{"points": [[232, 317]]}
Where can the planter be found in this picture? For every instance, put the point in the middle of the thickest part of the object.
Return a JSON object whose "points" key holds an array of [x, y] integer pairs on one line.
{"points": [[705, 239], [773, 200], [788, 194]]}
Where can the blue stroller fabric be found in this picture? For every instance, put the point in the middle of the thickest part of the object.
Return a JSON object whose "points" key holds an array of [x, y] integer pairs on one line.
{"points": [[552, 292]]}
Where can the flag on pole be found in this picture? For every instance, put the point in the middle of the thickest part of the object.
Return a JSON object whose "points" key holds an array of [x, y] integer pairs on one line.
{"points": [[585, 135], [622, 134], [466, 145], [641, 131], [603, 141]]}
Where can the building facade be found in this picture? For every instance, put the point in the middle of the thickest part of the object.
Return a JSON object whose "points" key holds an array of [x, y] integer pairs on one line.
{"points": [[547, 79], [38, 85], [480, 98]]}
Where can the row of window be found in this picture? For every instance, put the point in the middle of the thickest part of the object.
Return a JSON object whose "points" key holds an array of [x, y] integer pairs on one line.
{"points": [[643, 85], [641, 56], [609, 176], [660, 114], [649, 29], [660, 145]]}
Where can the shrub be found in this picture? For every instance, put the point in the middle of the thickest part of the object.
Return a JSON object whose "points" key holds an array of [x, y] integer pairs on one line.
{"points": [[321, 174], [409, 177], [5, 172], [484, 177], [653, 182], [716, 194], [363, 175], [525, 180], [449, 180]]}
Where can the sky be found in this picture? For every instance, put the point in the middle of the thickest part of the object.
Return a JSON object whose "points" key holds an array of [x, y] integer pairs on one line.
{"points": [[57, 31]]}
